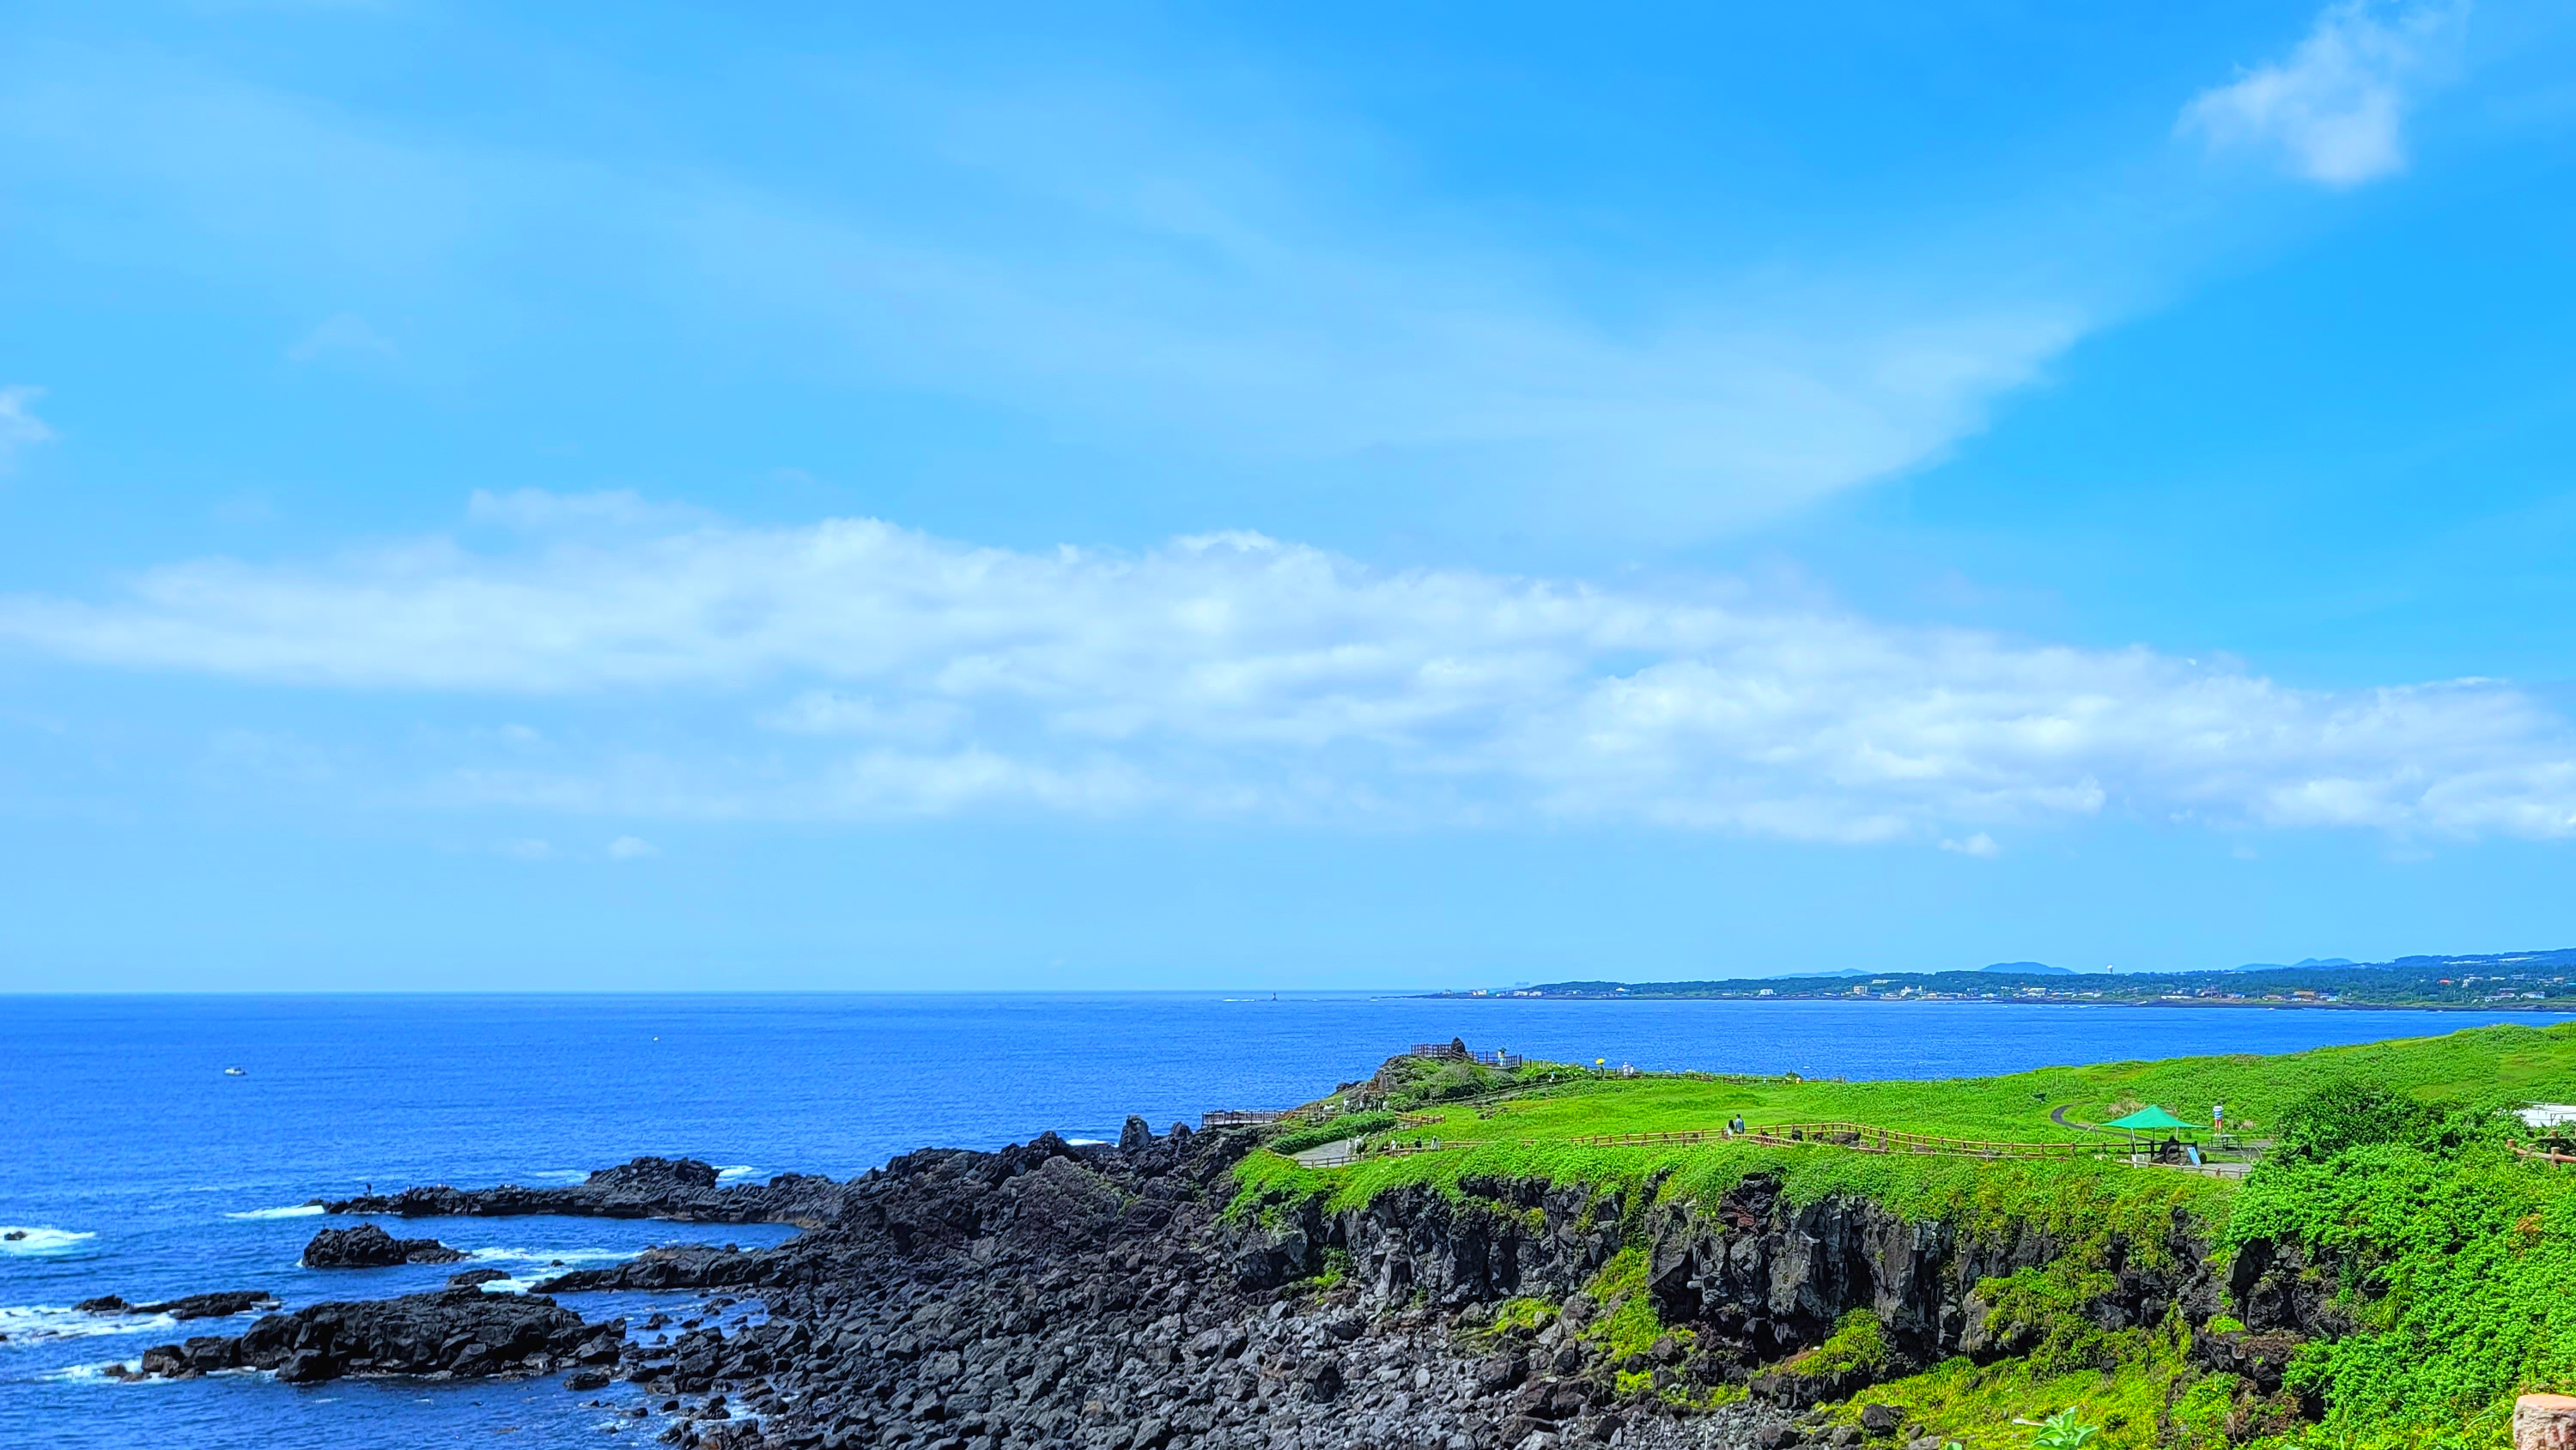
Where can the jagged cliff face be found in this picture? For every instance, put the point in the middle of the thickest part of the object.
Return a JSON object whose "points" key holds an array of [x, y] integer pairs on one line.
{"points": [[1757, 1279], [1499, 1239]]}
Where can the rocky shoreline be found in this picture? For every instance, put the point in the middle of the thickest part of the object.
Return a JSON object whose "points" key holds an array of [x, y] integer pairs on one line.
{"points": [[1102, 1296]]}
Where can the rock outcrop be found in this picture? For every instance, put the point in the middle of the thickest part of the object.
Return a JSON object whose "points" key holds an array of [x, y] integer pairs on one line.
{"points": [[680, 1189], [369, 1247], [451, 1334]]}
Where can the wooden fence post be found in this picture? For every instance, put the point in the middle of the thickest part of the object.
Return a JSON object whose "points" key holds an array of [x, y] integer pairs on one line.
{"points": [[2544, 1422]]}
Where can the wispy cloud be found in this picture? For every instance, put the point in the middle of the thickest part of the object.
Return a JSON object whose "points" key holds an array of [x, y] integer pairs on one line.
{"points": [[536, 511], [632, 848], [1147, 278], [874, 671], [2334, 110], [342, 333], [19, 425]]}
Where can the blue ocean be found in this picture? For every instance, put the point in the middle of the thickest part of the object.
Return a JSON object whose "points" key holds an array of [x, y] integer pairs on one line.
{"points": [[132, 1163]]}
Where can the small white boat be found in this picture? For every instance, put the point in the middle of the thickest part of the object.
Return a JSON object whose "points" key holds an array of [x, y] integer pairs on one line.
{"points": [[235, 1072]]}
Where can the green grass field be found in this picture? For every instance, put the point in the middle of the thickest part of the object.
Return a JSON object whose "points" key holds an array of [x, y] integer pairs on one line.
{"points": [[1531, 1130], [2467, 1249], [2539, 1062]]}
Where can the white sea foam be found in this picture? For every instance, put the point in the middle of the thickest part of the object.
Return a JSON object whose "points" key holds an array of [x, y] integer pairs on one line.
{"points": [[37, 1323], [736, 1173], [548, 1256], [17, 1240], [292, 1210], [563, 1175], [547, 1262], [1086, 1142]]}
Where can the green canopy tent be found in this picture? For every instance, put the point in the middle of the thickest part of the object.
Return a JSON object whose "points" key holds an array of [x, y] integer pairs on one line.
{"points": [[2149, 1119]]}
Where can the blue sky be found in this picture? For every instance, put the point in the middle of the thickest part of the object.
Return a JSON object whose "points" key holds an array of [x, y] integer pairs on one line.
{"points": [[1279, 496]]}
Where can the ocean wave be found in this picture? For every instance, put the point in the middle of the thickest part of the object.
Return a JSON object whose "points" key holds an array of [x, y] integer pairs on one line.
{"points": [[38, 1323], [549, 1256], [292, 1210], [735, 1174], [17, 1240]]}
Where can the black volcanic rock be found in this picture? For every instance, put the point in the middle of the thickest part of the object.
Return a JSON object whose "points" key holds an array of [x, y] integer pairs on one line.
{"points": [[675, 1266], [681, 1189], [369, 1247], [213, 1306], [194, 1306], [1116, 1295], [457, 1333], [472, 1277]]}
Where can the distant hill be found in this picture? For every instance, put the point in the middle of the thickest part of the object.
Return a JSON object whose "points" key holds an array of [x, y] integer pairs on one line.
{"points": [[2301, 962], [2030, 969]]}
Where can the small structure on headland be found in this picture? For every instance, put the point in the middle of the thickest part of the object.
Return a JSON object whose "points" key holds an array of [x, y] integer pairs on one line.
{"points": [[1455, 1050], [2154, 1119]]}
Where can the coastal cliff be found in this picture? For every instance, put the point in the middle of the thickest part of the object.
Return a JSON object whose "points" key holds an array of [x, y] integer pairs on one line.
{"points": [[1129, 1297]]}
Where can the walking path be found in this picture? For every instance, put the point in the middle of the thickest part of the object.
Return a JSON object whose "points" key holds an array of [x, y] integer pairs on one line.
{"points": [[1328, 1155]]}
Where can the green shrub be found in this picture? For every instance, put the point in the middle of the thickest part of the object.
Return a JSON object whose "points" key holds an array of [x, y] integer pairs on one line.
{"points": [[2350, 1112], [2200, 1415], [2062, 1431], [2044, 1308], [1348, 1125], [1859, 1342], [2454, 1265]]}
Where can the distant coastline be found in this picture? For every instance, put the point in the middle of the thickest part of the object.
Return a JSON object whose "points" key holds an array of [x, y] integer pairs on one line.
{"points": [[2544, 1008], [2532, 981]]}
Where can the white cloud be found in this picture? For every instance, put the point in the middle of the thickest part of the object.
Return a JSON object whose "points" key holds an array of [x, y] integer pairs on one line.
{"points": [[1979, 844], [19, 425], [632, 848], [530, 849], [342, 333], [868, 670], [2334, 111]]}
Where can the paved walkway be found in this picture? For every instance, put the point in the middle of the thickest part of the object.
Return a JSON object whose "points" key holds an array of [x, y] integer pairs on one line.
{"points": [[1328, 1155]]}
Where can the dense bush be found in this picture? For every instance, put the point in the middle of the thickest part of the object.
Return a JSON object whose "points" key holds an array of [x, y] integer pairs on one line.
{"points": [[2453, 1258], [2351, 1112], [1348, 1125]]}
